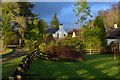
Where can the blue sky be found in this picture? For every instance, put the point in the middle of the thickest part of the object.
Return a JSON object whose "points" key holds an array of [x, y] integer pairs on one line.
{"points": [[65, 12]]}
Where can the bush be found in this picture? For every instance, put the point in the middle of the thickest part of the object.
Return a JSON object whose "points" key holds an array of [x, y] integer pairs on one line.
{"points": [[42, 46], [63, 53], [30, 44], [73, 43]]}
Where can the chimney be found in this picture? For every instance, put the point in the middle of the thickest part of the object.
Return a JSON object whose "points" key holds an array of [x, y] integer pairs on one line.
{"points": [[115, 26], [61, 26]]}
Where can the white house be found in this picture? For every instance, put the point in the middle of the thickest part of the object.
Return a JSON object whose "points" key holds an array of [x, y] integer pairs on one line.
{"points": [[57, 33], [113, 35], [61, 33]]}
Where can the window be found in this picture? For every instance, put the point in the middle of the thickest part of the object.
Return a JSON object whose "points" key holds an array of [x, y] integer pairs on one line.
{"points": [[57, 35], [64, 35]]}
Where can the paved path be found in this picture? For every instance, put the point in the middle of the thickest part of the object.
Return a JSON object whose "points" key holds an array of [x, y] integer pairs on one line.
{"points": [[16, 53]]}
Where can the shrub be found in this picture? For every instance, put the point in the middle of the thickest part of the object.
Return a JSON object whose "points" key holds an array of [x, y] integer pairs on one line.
{"points": [[73, 43], [63, 53], [42, 46], [30, 44]]}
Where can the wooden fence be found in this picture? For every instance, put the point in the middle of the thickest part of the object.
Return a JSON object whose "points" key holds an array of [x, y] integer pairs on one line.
{"points": [[24, 66], [92, 51]]}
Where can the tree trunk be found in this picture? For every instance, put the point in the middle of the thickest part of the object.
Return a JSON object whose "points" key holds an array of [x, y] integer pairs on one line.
{"points": [[21, 40]]}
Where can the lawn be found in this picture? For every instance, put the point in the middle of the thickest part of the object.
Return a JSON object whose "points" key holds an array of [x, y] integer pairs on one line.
{"points": [[9, 67], [95, 66]]}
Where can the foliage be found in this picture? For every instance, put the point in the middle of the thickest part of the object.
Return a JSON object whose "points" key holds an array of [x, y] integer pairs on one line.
{"points": [[42, 46], [19, 14], [7, 31], [102, 33], [82, 10], [93, 36], [54, 23], [43, 23], [34, 35], [48, 38], [110, 16], [118, 14], [62, 53], [74, 43], [90, 38]]}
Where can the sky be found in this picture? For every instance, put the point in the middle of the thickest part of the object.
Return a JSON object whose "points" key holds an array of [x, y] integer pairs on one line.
{"points": [[64, 11]]}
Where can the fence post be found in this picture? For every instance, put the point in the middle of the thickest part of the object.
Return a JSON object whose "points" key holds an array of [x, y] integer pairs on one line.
{"points": [[90, 51]]}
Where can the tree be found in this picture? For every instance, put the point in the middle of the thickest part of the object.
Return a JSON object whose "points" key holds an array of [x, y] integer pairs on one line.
{"points": [[41, 27], [34, 35], [7, 33], [102, 33], [94, 34], [82, 11], [118, 15], [110, 16], [43, 23], [19, 14], [90, 38], [54, 22]]}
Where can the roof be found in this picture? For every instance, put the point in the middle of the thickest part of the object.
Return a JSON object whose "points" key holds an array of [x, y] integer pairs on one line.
{"points": [[114, 34], [52, 30], [74, 30]]}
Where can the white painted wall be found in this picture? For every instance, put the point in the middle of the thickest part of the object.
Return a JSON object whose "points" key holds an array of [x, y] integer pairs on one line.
{"points": [[110, 40], [73, 35], [61, 32]]}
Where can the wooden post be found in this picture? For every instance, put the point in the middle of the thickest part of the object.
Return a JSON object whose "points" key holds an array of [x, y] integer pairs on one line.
{"points": [[90, 51], [19, 77], [11, 78]]}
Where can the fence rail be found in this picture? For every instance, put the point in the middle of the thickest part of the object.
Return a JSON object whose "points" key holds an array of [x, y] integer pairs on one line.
{"points": [[92, 51], [24, 66]]}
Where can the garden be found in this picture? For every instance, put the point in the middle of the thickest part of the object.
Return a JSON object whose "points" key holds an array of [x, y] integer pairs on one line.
{"points": [[38, 55]]}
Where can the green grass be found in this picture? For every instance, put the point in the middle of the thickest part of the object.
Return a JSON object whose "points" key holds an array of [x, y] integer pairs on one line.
{"points": [[95, 66], [9, 67]]}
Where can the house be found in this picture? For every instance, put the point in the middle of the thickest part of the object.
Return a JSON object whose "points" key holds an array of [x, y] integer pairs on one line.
{"points": [[112, 34], [57, 33], [74, 33]]}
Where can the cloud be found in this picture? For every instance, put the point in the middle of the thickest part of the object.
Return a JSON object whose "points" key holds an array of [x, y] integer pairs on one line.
{"points": [[65, 12], [49, 8], [63, 9]]}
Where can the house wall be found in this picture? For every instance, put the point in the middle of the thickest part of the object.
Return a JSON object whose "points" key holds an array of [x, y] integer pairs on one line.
{"points": [[110, 40], [61, 33]]}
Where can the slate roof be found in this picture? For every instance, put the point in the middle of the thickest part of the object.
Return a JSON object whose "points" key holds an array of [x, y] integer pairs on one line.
{"points": [[114, 34], [52, 30]]}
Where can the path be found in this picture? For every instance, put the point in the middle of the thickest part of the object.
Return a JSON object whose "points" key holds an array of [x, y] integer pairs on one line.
{"points": [[16, 53]]}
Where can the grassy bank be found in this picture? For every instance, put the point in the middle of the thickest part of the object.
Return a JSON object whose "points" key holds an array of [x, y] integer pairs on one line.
{"points": [[9, 67], [95, 66]]}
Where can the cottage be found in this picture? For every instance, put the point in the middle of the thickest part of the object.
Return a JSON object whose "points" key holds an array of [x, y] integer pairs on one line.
{"points": [[113, 34], [57, 33], [74, 33], [61, 33]]}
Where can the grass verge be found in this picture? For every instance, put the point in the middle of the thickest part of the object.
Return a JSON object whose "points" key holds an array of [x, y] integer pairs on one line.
{"points": [[9, 67], [95, 66]]}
